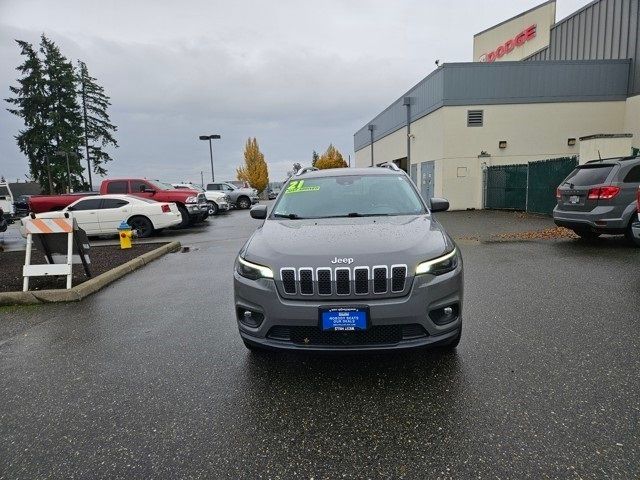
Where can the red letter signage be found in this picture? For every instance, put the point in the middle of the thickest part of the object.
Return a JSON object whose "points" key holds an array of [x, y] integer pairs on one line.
{"points": [[508, 46]]}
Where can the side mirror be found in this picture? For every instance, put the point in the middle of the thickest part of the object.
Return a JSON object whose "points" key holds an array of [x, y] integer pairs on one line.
{"points": [[439, 204], [259, 212]]}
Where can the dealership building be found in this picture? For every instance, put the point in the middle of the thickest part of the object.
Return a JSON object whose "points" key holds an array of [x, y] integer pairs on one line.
{"points": [[536, 89]]}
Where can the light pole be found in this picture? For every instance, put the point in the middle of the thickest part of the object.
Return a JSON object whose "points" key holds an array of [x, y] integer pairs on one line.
{"points": [[66, 154], [210, 137]]}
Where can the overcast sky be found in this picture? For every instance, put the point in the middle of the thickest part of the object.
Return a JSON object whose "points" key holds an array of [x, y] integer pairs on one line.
{"points": [[295, 74]]}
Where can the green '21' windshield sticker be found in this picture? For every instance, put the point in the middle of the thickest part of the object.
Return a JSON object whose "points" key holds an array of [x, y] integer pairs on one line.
{"points": [[298, 186]]}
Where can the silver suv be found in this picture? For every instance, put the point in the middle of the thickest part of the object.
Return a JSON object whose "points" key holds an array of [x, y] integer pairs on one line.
{"points": [[349, 259], [239, 197], [600, 197]]}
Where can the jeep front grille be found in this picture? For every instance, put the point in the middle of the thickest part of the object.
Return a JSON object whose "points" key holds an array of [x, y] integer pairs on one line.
{"points": [[344, 281]]}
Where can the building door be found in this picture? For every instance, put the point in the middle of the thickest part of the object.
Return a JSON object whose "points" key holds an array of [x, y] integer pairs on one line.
{"points": [[414, 173], [426, 180]]}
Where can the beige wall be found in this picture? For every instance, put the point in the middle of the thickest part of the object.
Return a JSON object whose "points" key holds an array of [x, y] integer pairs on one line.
{"points": [[386, 149], [603, 147], [544, 18], [532, 131], [632, 119]]}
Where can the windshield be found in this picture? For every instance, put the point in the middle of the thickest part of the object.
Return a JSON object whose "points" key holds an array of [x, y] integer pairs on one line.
{"points": [[349, 196]]}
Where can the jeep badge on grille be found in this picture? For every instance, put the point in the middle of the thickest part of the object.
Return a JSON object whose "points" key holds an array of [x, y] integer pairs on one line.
{"points": [[348, 261]]}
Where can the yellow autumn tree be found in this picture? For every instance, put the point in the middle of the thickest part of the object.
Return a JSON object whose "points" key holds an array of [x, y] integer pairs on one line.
{"points": [[254, 171], [332, 158]]}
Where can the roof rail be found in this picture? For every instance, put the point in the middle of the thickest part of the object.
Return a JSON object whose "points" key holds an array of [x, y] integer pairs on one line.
{"points": [[390, 166], [305, 170]]}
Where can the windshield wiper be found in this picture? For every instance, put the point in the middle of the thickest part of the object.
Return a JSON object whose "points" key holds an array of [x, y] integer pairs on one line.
{"points": [[356, 214], [290, 216]]}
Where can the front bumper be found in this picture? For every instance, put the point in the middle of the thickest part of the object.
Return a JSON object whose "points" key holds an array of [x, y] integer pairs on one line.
{"points": [[198, 209], [428, 293], [223, 207]]}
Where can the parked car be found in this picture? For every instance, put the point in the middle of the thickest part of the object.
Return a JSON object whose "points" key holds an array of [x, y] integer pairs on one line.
{"points": [[192, 205], [102, 214], [21, 205], [272, 194], [55, 203], [600, 197], [635, 226], [218, 201], [239, 197], [321, 273], [3, 222], [6, 200]]}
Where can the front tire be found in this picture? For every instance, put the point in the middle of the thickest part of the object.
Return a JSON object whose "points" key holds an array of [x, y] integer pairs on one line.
{"points": [[142, 225], [243, 203], [185, 216], [213, 209]]}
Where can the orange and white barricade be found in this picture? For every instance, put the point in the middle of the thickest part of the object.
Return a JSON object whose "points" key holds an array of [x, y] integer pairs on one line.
{"points": [[47, 226]]}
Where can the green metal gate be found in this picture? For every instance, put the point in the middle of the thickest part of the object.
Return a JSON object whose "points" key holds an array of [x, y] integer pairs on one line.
{"points": [[544, 178], [506, 187]]}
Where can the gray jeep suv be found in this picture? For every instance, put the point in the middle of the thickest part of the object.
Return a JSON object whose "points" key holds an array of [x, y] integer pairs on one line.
{"points": [[349, 259], [600, 197]]}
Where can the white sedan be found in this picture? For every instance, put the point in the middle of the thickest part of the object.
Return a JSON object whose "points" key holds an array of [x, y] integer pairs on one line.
{"points": [[102, 214]]}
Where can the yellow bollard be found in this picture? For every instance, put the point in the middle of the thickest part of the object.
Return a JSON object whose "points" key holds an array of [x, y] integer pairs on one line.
{"points": [[126, 234]]}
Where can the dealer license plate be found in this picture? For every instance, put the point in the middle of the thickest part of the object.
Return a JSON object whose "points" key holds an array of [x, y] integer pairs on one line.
{"points": [[344, 319]]}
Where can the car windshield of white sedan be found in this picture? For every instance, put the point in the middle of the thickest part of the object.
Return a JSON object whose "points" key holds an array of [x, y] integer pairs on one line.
{"points": [[348, 196]]}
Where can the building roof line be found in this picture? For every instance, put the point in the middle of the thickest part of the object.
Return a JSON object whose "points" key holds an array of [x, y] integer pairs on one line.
{"points": [[516, 16]]}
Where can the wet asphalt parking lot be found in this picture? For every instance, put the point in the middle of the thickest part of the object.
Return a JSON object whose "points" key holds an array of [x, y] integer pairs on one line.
{"points": [[149, 379]]}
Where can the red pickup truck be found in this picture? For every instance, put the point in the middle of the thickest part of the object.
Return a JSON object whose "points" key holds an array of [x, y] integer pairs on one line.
{"points": [[192, 204]]}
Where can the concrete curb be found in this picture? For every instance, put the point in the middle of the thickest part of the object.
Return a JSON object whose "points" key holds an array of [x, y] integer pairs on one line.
{"points": [[90, 286]]}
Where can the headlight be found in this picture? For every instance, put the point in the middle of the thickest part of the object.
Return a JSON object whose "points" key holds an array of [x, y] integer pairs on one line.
{"points": [[252, 271], [191, 200], [226, 198], [440, 265]]}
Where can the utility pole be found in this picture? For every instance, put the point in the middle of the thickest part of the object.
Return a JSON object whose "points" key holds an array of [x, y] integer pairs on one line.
{"points": [[201, 178], [66, 154], [46, 157], [86, 135], [370, 126]]}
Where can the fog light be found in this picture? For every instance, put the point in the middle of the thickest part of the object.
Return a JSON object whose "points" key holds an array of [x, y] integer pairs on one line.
{"points": [[444, 315], [250, 318]]}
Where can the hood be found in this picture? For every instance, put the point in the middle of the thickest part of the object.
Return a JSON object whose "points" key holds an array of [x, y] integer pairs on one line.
{"points": [[406, 239]]}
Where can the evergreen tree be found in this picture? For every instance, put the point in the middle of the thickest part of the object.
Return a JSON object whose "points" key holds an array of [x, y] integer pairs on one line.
{"points": [[314, 158], [98, 129], [64, 117], [255, 170], [30, 103]]}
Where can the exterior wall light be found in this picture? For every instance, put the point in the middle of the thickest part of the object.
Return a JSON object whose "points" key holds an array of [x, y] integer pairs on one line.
{"points": [[502, 144], [571, 142]]}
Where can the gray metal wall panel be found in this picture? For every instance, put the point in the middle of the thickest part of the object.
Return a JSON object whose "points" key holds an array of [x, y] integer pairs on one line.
{"points": [[604, 29], [427, 97], [503, 83]]}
